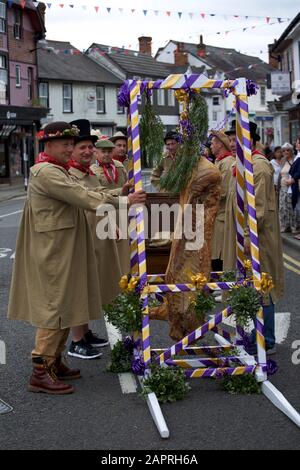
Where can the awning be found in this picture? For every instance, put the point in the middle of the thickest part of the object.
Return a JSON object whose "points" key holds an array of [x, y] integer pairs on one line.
{"points": [[6, 130], [21, 115]]}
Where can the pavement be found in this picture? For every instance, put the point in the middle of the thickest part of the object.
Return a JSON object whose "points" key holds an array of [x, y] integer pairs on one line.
{"points": [[11, 191]]}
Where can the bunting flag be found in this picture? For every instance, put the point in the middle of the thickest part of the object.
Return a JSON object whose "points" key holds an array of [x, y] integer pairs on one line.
{"points": [[23, 3], [169, 13]]}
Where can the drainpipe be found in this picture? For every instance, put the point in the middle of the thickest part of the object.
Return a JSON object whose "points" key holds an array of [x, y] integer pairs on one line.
{"points": [[25, 162]]}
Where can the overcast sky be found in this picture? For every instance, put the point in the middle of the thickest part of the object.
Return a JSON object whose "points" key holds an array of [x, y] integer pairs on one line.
{"points": [[82, 26]]}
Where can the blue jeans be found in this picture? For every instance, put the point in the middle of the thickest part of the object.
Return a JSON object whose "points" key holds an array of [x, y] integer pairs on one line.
{"points": [[269, 326]]}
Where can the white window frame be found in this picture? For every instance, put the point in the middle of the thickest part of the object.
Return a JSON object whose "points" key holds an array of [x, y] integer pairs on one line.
{"points": [[17, 24], [3, 78], [2, 16], [120, 109], [67, 97], [30, 83], [171, 98], [161, 97], [215, 116], [44, 98], [263, 94], [216, 98], [100, 99], [18, 76]]}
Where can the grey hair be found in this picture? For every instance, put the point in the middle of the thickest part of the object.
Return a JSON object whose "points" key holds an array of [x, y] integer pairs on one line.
{"points": [[287, 146]]}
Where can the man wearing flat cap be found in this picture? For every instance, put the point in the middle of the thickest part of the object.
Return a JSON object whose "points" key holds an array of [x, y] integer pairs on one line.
{"points": [[270, 245], [52, 287], [120, 150], [220, 147], [168, 160], [112, 175]]}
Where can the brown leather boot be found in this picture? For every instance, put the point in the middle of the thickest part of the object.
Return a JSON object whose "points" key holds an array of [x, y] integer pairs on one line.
{"points": [[63, 372], [44, 379]]}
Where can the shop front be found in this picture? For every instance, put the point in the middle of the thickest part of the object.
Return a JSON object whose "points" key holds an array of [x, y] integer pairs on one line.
{"points": [[18, 126]]}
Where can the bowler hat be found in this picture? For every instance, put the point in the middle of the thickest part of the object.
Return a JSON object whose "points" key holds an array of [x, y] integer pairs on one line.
{"points": [[232, 129], [84, 127], [253, 132], [57, 130]]}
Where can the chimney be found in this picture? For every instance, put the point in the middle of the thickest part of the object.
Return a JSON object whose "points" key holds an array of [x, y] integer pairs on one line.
{"points": [[180, 57], [201, 48], [145, 45]]}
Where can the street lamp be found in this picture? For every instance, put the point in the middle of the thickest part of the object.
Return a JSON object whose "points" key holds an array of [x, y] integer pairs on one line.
{"points": [[43, 44]]}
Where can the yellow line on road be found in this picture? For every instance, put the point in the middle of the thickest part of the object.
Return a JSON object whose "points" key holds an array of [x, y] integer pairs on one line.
{"points": [[291, 268], [291, 260]]}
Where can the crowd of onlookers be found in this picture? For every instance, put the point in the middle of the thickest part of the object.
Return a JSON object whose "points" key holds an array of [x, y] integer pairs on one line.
{"points": [[286, 163]]}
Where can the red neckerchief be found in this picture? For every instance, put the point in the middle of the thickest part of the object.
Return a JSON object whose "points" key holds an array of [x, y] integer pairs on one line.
{"points": [[112, 166], [119, 159], [254, 152], [78, 166], [43, 157], [257, 152], [224, 155]]}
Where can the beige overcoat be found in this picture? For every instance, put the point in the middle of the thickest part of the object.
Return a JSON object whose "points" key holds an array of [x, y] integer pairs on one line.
{"points": [[202, 189], [161, 170], [108, 264], [270, 245], [123, 244], [55, 279], [224, 166]]}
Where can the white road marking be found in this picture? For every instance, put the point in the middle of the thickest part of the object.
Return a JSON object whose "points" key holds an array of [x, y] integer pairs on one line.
{"points": [[127, 380], [8, 215], [282, 325]]}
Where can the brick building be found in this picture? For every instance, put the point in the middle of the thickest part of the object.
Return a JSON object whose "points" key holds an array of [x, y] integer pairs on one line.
{"points": [[21, 27]]}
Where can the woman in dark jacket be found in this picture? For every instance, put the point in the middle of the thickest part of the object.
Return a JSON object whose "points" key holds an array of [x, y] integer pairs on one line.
{"points": [[295, 181]]}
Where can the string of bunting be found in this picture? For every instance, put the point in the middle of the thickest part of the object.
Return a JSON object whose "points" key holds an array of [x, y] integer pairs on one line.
{"points": [[168, 13]]}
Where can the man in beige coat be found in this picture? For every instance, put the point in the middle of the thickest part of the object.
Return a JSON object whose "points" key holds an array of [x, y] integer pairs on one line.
{"points": [[120, 150], [112, 175], [220, 148], [168, 160], [84, 341], [270, 245], [55, 280]]}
